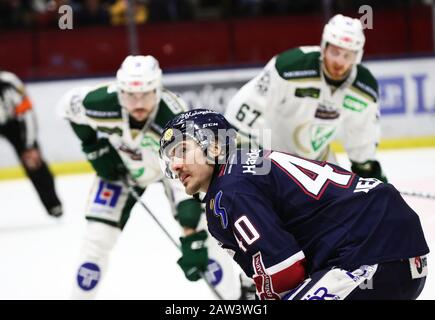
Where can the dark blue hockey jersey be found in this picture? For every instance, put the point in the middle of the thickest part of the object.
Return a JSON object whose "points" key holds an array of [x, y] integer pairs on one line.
{"points": [[273, 210]]}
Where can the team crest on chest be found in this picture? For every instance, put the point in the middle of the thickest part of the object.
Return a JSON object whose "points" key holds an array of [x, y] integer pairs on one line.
{"points": [[219, 211]]}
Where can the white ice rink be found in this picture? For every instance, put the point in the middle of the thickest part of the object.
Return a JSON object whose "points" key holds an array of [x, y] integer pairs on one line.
{"points": [[38, 254]]}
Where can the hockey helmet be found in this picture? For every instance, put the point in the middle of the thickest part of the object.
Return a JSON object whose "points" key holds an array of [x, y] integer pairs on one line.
{"points": [[344, 32], [139, 74], [204, 127]]}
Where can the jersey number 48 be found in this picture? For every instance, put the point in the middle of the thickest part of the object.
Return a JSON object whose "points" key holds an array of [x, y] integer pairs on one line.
{"points": [[312, 177]]}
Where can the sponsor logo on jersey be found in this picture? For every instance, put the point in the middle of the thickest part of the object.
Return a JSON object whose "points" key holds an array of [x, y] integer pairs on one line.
{"points": [[102, 114], [321, 294], [107, 194], [133, 154], [88, 276], [301, 74], [214, 273], [363, 275], [320, 135], [326, 111], [418, 267], [250, 163], [366, 184], [263, 281], [337, 284], [307, 92], [219, 211], [354, 104]]}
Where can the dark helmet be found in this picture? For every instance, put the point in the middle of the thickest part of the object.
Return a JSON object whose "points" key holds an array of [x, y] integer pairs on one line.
{"points": [[201, 125]]}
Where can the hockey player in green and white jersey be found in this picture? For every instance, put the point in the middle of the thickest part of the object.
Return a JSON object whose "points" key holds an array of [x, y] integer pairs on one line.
{"points": [[307, 95], [119, 126]]}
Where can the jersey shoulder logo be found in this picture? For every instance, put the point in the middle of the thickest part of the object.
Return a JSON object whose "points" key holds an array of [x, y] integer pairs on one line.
{"points": [[263, 83], [219, 211]]}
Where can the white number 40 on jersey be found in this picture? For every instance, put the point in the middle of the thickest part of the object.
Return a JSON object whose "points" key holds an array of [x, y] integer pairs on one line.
{"points": [[313, 178]]}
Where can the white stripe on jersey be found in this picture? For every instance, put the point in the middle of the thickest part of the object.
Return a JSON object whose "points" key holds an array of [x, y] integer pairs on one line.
{"points": [[286, 263]]}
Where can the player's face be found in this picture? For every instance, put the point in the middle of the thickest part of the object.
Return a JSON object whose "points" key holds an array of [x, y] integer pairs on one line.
{"points": [[139, 104], [338, 61], [190, 165]]}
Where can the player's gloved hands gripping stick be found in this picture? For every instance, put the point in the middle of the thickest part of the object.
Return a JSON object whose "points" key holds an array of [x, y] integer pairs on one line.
{"points": [[105, 160], [194, 255]]}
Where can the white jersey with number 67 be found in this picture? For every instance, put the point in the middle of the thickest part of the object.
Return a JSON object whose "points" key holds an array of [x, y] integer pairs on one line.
{"points": [[292, 99]]}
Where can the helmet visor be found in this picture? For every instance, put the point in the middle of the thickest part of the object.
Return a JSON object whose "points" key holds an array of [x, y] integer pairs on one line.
{"points": [[181, 150]]}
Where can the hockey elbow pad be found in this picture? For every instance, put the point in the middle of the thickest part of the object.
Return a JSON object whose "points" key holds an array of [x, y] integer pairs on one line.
{"points": [[105, 160], [369, 169]]}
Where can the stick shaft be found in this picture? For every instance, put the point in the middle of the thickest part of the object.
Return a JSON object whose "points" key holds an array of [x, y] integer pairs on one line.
{"points": [[139, 200], [417, 194]]}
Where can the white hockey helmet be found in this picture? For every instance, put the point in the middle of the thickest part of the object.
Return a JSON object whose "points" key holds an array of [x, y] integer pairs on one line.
{"points": [[344, 32], [139, 74]]}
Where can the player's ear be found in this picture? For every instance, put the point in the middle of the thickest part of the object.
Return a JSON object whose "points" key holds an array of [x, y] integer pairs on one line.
{"points": [[214, 149]]}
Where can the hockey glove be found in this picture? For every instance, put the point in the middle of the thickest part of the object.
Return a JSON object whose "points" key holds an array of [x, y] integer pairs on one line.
{"points": [[188, 213], [369, 169], [105, 160], [194, 255]]}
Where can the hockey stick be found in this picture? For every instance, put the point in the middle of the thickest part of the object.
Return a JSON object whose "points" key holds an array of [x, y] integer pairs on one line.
{"points": [[136, 196], [418, 194]]}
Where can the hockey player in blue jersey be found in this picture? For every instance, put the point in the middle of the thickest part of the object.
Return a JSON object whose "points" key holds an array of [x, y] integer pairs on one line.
{"points": [[302, 229]]}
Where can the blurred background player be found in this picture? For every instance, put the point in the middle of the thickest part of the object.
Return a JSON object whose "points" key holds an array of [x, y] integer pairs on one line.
{"points": [[302, 229], [119, 125], [18, 126], [307, 95]]}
